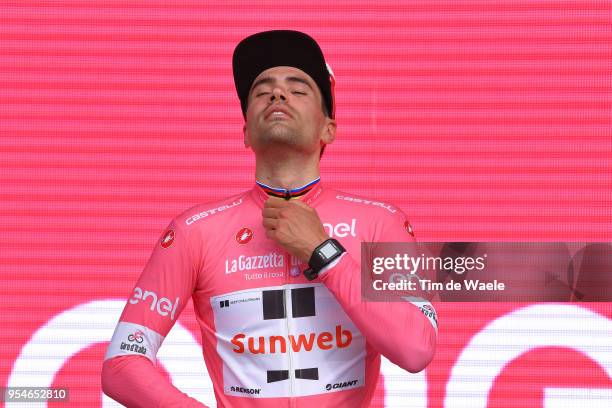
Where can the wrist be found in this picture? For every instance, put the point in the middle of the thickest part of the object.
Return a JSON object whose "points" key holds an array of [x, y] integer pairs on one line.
{"points": [[323, 255]]}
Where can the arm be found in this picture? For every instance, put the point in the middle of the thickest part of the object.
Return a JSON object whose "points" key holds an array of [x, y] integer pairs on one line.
{"points": [[135, 382], [399, 330], [129, 375]]}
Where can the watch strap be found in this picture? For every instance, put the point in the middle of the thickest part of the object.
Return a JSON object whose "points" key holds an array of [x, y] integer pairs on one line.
{"points": [[324, 254]]}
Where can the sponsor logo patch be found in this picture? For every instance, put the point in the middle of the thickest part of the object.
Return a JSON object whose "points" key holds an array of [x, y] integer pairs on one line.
{"points": [[342, 229], [408, 228], [344, 384], [247, 263], [367, 202], [168, 239], [135, 339], [162, 306], [296, 267], [212, 211], [429, 312], [245, 390], [244, 236], [279, 344]]}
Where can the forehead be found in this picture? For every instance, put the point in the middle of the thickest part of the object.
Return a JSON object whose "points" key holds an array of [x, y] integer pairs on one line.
{"points": [[282, 73]]}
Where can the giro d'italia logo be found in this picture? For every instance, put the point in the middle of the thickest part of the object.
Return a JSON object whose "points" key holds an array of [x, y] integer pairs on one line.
{"points": [[244, 236], [168, 239], [137, 337]]}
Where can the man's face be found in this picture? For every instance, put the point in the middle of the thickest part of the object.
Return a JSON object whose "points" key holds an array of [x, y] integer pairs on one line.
{"points": [[285, 108]]}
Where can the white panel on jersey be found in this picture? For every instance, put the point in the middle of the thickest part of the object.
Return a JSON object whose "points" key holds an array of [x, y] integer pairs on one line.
{"points": [[134, 339], [287, 341], [426, 308]]}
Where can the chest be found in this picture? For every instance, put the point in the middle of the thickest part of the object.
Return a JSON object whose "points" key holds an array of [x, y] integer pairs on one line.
{"points": [[239, 256]]}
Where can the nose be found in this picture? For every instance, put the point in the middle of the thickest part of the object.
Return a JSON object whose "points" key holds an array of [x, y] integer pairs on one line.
{"points": [[278, 94]]}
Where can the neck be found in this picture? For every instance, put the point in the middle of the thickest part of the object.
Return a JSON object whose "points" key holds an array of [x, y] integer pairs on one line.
{"points": [[286, 173]]}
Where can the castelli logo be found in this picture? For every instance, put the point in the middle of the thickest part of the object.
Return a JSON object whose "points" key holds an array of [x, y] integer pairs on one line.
{"points": [[244, 236], [168, 239]]}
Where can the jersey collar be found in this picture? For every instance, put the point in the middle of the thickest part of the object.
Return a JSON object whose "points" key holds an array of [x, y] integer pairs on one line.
{"points": [[308, 193]]}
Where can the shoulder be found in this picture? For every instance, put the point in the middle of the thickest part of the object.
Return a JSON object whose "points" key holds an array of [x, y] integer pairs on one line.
{"points": [[369, 206], [205, 212], [383, 218]]}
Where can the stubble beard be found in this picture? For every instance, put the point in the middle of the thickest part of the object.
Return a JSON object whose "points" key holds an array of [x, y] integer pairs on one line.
{"points": [[280, 135]]}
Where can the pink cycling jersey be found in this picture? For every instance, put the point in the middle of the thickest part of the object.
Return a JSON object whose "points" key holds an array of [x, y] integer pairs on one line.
{"points": [[269, 335]]}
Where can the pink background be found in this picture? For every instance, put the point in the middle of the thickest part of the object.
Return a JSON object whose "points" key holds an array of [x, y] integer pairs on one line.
{"points": [[482, 120]]}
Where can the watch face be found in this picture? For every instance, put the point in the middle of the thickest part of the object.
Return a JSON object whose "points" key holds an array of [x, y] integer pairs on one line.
{"points": [[328, 250]]}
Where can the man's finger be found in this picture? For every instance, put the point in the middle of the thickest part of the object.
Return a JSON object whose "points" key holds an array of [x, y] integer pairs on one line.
{"points": [[270, 223], [270, 212], [300, 203], [275, 202], [271, 234]]}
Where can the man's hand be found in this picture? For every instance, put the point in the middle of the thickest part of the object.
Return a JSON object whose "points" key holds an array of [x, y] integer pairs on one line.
{"points": [[294, 225]]}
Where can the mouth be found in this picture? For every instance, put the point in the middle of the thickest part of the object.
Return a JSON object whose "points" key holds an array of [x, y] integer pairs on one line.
{"points": [[278, 113]]}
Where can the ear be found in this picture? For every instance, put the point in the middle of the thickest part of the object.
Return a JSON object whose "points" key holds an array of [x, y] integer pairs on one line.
{"points": [[329, 132], [247, 139]]}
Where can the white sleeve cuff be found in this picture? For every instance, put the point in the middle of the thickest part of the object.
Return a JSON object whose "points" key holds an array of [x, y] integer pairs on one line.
{"points": [[331, 265], [134, 339], [426, 308]]}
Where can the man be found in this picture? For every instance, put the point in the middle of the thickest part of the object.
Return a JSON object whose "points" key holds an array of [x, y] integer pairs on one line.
{"points": [[274, 273]]}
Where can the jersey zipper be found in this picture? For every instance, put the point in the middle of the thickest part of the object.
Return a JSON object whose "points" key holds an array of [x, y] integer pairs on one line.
{"points": [[292, 400]]}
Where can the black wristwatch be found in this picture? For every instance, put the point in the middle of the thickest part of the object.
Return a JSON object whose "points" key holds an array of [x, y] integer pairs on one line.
{"points": [[323, 255]]}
